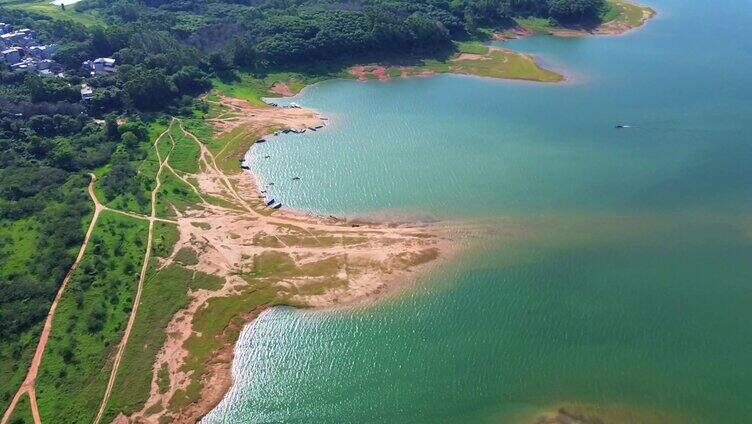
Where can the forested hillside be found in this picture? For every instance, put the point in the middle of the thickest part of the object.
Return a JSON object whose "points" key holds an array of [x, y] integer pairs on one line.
{"points": [[262, 33]]}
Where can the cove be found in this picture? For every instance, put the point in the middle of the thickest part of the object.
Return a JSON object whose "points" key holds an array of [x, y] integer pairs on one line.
{"points": [[616, 274]]}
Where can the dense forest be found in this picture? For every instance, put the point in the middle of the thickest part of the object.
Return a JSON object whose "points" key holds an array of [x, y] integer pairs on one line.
{"points": [[167, 52]]}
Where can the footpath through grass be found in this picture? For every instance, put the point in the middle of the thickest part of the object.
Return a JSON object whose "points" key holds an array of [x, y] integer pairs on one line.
{"points": [[22, 413], [89, 321]]}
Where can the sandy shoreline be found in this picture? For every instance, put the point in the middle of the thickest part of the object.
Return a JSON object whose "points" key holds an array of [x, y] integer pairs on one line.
{"points": [[316, 262]]}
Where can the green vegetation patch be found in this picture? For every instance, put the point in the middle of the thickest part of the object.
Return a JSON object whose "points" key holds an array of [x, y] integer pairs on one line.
{"points": [[174, 193], [37, 248], [508, 65], [206, 281], [186, 256], [631, 14], [246, 87], [184, 157], [535, 24], [89, 321], [472, 47], [202, 225], [278, 265], [165, 235]]}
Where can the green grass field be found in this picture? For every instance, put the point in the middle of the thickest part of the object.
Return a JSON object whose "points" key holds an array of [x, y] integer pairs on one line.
{"points": [[165, 235], [89, 321], [184, 156], [630, 13], [174, 193], [507, 65], [18, 249], [44, 7]]}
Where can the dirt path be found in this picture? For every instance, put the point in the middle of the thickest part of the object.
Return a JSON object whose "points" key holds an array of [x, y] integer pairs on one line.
{"points": [[28, 385], [144, 267]]}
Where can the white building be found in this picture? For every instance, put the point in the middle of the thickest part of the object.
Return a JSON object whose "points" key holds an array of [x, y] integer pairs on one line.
{"points": [[87, 93], [102, 65]]}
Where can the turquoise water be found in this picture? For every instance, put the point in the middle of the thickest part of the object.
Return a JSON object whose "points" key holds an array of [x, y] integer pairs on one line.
{"points": [[617, 269]]}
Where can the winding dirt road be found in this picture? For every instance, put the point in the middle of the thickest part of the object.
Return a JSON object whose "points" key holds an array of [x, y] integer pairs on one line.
{"points": [[28, 385]]}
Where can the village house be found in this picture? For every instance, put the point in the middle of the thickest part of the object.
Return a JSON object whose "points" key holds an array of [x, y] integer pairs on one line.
{"points": [[43, 52], [28, 64], [12, 55], [87, 93], [21, 51], [99, 66], [23, 37]]}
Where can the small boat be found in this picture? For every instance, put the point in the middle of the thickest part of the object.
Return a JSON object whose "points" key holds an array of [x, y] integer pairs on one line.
{"points": [[277, 206], [276, 132], [261, 140], [244, 166], [296, 178], [269, 202], [622, 126], [271, 184], [294, 105], [267, 157], [287, 130], [319, 126], [312, 128]]}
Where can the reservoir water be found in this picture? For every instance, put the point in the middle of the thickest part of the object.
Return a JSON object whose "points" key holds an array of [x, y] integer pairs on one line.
{"points": [[616, 273]]}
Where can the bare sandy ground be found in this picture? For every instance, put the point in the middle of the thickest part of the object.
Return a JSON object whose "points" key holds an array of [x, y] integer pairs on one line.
{"points": [[282, 89]]}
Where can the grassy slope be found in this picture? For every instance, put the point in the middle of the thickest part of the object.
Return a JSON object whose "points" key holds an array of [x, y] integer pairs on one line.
{"points": [[44, 7], [620, 11], [184, 156], [504, 64], [73, 373], [21, 237], [629, 13], [17, 257], [253, 87], [174, 194]]}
